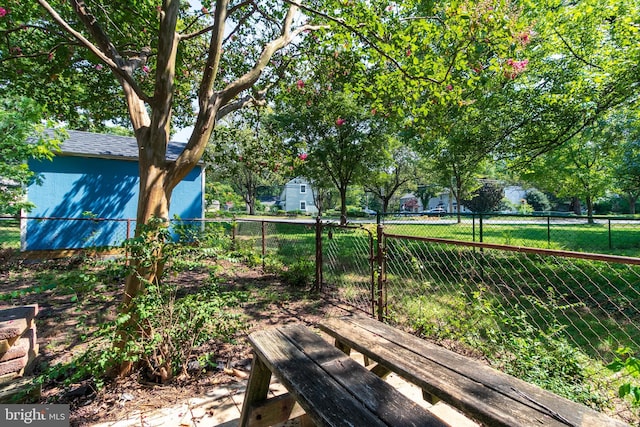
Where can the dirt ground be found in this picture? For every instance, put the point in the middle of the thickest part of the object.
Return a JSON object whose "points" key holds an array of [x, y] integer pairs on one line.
{"points": [[59, 328]]}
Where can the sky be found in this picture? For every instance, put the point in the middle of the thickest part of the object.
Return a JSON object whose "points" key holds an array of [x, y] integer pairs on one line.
{"points": [[183, 134]]}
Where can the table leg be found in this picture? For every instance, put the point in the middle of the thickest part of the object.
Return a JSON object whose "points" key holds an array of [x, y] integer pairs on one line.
{"points": [[257, 388]]}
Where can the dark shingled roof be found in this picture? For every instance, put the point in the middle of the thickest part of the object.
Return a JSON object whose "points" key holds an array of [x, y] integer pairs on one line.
{"points": [[88, 144]]}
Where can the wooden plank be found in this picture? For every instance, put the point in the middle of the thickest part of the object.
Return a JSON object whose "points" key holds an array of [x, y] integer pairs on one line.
{"points": [[478, 390], [323, 399], [28, 312], [23, 390], [527, 394], [274, 411], [382, 399]]}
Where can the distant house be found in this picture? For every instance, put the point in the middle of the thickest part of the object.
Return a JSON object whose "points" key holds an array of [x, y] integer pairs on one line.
{"points": [[515, 194], [410, 203], [449, 204], [298, 196], [96, 176]]}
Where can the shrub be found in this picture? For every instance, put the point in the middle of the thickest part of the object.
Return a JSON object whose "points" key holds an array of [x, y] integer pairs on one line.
{"points": [[538, 200], [626, 363], [299, 274], [166, 324], [511, 341]]}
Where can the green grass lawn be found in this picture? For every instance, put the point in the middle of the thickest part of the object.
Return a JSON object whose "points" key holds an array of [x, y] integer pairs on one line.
{"points": [[10, 234]]}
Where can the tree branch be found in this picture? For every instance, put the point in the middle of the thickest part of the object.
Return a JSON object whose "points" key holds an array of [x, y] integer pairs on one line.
{"points": [[368, 42], [165, 69], [246, 101], [249, 78], [575, 54], [112, 59], [215, 51]]}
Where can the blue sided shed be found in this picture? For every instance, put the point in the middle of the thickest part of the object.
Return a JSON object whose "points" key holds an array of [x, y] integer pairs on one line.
{"points": [[89, 185]]}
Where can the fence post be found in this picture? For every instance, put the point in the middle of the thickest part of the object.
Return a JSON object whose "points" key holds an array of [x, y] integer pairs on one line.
{"points": [[610, 242], [473, 227], [264, 242], [548, 231], [128, 229], [234, 231], [380, 258], [318, 284], [481, 231]]}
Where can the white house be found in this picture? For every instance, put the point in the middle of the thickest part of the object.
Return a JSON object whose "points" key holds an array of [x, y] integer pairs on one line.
{"points": [[515, 194], [411, 203], [298, 196]]}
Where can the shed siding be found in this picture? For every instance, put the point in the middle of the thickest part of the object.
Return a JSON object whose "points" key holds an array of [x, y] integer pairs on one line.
{"points": [[72, 187]]}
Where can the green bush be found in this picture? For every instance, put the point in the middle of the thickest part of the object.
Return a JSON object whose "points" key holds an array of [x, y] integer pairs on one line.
{"points": [[300, 274], [625, 362], [166, 323]]}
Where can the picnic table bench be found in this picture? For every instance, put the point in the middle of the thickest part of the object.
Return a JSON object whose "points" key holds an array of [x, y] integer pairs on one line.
{"points": [[482, 393], [324, 384]]}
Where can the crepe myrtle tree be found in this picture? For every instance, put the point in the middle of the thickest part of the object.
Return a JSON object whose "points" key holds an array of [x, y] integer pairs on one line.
{"points": [[155, 60], [247, 157], [339, 137]]}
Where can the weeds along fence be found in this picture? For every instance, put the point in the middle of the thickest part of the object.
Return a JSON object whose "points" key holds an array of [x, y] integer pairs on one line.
{"points": [[549, 317]]}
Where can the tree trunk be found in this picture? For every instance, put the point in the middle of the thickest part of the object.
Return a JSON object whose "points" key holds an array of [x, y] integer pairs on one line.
{"points": [[457, 194], [575, 206], [632, 198], [589, 201], [343, 206], [153, 202], [385, 204]]}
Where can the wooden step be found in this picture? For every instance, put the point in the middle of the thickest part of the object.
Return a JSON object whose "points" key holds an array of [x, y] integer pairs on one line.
{"points": [[22, 390]]}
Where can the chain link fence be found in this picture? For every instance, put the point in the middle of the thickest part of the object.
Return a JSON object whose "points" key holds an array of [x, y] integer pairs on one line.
{"points": [[549, 317], [45, 234], [9, 233], [348, 266], [513, 291]]}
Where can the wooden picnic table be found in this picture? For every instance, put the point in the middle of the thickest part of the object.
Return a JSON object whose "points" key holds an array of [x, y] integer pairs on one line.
{"points": [[324, 384]]}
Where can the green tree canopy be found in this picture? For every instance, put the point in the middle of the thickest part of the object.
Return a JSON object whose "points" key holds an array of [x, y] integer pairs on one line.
{"points": [[336, 137], [23, 138], [487, 198], [247, 156]]}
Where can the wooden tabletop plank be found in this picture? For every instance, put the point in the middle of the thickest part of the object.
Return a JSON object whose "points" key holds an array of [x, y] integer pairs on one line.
{"points": [[482, 392], [322, 398], [384, 400]]}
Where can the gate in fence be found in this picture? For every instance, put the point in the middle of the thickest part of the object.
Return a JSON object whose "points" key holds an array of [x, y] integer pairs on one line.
{"points": [[346, 266]]}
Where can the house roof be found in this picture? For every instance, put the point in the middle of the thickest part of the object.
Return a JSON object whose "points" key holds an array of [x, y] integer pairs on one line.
{"points": [[408, 196], [89, 144]]}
